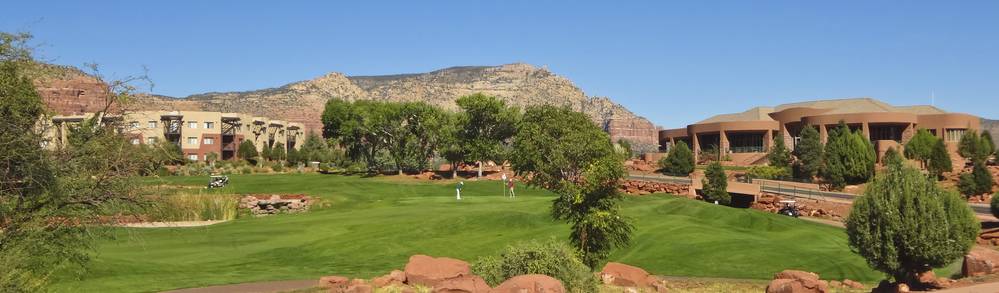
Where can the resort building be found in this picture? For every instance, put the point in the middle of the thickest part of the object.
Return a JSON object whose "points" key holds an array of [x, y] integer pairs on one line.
{"points": [[197, 133], [746, 137]]}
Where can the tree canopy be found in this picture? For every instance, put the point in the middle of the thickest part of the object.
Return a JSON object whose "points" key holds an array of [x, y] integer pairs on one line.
{"points": [[779, 156], [849, 158], [809, 152], [715, 184], [488, 126], [920, 146], [679, 161], [902, 206]]}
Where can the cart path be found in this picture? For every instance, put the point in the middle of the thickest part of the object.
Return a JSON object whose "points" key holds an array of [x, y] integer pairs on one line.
{"points": [[979, 288], [255, 287], [172, 224]]}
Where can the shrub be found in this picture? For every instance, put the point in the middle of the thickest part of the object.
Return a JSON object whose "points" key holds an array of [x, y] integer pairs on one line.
{"points": [[679, 161], [979, 181], [768, 172], [552, 258], [902, 206], [193, 207], [277, 167], [245, 170], [994, 205], [716, 184], [809, 154]]}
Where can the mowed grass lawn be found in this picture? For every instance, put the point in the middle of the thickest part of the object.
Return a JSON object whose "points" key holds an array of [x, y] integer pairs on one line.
{"points": [[372, 225]]}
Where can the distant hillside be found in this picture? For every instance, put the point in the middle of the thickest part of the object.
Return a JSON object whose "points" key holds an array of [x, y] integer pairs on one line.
{"points": [[518, 84]]}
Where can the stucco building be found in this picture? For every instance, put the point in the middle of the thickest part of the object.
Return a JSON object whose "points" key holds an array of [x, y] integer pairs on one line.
{"points": [[197, 133], [746, 137]]}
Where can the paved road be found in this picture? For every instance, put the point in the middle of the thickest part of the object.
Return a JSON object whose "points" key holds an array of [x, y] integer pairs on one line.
{"points": [[981, 209]]}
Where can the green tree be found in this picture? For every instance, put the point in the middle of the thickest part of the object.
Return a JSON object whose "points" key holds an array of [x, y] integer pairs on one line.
{"points": [[715, 184], [892, 157], [413, 134], [278, 152], [988, 146], [779, 156], [294, 156], [679, 161], [450, 147], [849, 158], [314, 149], [902, 206], [939, 160], [974, 147], [49, 199], [489, 125], [920, 146], [565, 152], [247, 151], [809, 153]]}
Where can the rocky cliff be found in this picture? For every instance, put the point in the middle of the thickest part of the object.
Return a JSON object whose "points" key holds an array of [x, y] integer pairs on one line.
{"points": [[518, 84]]}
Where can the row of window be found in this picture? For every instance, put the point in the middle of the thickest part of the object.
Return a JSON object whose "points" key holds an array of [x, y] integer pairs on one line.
{"points": [[154, 124], [190, 140]]}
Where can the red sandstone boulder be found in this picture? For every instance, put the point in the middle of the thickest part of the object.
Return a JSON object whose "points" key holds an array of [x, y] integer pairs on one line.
{"points": [[620, 274], [334, 282], [530, 284], [980, 261], [793, 281], [428, 271], [396, 277], [463, 284]]}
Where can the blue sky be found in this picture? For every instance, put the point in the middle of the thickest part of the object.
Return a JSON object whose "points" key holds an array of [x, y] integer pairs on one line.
{"points": [[673, 62]]}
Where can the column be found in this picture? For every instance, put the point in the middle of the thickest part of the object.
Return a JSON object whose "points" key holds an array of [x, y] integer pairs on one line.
{"points": [[867, 130], [696, 146], [722, 143], [823, 134], [768, 140]]}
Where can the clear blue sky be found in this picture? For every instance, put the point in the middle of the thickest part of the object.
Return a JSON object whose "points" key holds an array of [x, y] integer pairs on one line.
{"points": [[674, 63]]}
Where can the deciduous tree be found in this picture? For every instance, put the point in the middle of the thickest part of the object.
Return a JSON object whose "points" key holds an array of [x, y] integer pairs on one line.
{"points": [[489, 125], [920, 146], [563, 151]]}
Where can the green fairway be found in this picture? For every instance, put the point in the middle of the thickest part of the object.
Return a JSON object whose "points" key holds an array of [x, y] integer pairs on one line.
{"points": [[374, 224]]}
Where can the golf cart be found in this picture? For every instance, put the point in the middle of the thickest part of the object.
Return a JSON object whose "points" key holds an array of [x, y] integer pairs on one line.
{"points": [[788, 208], [218, 181]]}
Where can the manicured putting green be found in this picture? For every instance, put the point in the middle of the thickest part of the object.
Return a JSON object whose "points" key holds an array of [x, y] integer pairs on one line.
{"points": [[374, 224]]}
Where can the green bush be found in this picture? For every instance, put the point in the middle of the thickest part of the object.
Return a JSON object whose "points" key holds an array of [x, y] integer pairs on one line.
{"points": [[994, 205], [902, 206], [277, 167], [979, 181], [678, 162], [768, 172], [939, 159], [552, 258], [716, 184], [245, 170]]}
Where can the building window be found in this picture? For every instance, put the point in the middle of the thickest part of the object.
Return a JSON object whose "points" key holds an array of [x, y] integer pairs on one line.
{"points": [[150, 140], [192, 124], [192, 140], [151, 124], [136, 140], [192, 157], [209, 140], [133, 125], [209, 125], [954, 135]]}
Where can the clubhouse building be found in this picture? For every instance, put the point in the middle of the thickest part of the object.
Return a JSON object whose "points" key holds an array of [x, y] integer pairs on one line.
{"points": [[746, 137], [197, 133]]}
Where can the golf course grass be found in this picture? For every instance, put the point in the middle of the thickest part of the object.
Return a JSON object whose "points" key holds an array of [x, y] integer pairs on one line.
{"points": [[373, 225]]}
